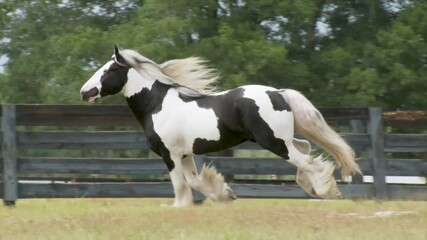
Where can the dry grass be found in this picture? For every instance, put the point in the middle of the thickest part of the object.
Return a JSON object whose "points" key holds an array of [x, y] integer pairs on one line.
{"points": [[244, 219]]}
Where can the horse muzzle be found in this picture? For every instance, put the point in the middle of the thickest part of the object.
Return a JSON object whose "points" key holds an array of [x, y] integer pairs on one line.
{"points": [[91, 95]]}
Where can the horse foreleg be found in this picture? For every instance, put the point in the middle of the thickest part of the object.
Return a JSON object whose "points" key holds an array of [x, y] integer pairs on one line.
{"points": [[210, 183], [183, 193], [190, 172]]}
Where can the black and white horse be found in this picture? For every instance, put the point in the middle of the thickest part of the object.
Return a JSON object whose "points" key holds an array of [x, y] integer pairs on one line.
{"points": [[182, 115]]}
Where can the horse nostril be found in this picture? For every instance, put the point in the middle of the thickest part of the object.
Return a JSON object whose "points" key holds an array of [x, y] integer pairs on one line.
{"points": [[91, 93]]}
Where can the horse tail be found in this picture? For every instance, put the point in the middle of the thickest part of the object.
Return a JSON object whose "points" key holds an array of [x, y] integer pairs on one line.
{"points": [[309, 122]]}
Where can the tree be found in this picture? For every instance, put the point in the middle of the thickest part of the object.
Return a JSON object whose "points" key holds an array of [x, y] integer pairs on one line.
{"points": [[44, 48], [361, 62], [339, 53], [400, 57]]}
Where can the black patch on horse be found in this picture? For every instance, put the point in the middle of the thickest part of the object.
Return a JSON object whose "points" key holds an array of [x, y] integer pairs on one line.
{"points": [[230, 128], [113, 80], [186, 98], [259, 129], [279, 103], [150, 102], [238, 121]]}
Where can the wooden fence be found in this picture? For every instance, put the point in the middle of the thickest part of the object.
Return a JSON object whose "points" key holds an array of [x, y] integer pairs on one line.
{"points": [[26, 129]]}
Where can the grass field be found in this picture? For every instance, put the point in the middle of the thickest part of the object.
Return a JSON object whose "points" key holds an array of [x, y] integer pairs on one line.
{"points": [[84, 219]]}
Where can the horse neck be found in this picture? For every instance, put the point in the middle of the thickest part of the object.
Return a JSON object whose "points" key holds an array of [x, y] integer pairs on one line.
{"points": [[136, 82], [144, 96]]}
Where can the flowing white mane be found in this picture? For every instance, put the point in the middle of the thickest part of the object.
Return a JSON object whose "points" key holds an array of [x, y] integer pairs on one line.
{"points": [[191, 75]]}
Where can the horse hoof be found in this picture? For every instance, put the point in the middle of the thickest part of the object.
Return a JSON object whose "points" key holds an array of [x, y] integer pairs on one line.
{"points": [[174, 205], [336, 194], [231, 194]]}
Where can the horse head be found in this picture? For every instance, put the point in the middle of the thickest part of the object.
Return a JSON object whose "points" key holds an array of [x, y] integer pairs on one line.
{"points": [[108, 80]]}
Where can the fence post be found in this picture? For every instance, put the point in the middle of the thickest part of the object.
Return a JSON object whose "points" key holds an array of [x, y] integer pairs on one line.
{"points": [[379, 162], [197, 196], [9, 151], [356, 126]]}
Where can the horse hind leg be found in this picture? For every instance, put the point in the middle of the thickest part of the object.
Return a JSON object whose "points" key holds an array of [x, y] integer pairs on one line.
{"points": [[278, 137], [316, 170], [302, 178], [314, 175], [304, 182]]}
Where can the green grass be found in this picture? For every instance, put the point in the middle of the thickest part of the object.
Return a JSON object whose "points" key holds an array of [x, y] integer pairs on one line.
{"points": [[243, 219]]}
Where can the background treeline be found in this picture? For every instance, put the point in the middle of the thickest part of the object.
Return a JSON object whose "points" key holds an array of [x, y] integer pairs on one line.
{"points": [[351, 53]]}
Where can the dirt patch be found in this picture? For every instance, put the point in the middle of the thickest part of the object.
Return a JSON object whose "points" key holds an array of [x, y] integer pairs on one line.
{"points": [[379, 214]]}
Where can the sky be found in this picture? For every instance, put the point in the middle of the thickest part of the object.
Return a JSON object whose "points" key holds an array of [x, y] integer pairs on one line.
{"points": [[3, 60]]}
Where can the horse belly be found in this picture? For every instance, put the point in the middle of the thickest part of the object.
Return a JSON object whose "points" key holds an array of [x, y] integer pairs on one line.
{"points": [[227, 140]]}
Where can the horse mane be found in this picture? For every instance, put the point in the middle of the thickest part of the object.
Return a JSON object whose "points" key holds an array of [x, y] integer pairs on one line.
{"points": [[190, 76]]}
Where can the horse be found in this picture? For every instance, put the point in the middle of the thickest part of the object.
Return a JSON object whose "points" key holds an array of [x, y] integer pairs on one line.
{"points": [[183, 115]]}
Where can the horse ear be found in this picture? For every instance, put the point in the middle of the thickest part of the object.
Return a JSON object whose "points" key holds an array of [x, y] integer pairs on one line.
{"points": [[119, 58], [116, 50]]}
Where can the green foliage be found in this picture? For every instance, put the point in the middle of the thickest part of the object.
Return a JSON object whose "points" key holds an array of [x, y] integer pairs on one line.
{"points": [[369, 53], [50, 52]]}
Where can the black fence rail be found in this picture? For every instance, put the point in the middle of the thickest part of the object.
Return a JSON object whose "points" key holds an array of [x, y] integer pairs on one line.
{"points": [[26, 128]]}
